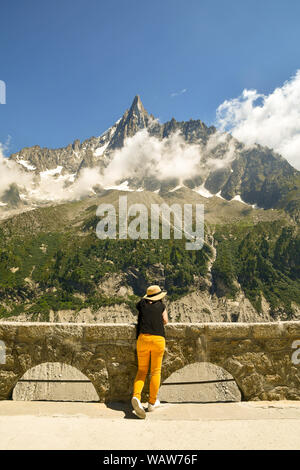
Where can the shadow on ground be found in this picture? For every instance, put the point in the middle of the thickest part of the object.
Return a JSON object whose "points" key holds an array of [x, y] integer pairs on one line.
{"points": [[126, 408]]}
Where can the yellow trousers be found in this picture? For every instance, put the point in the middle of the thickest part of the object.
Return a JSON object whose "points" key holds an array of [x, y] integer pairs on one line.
{"points": [[149, 346]]}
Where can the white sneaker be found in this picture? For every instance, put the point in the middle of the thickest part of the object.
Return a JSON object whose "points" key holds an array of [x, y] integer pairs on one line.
{"points": [[138, 408], [153, 407]]}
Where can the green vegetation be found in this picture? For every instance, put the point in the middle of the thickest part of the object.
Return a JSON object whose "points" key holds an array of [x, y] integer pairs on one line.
{"points": [[62, 271], [51, 260], [264, 259]]}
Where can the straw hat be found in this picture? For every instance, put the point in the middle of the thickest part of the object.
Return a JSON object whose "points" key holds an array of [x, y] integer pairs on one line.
{"points": [[154, 293]]}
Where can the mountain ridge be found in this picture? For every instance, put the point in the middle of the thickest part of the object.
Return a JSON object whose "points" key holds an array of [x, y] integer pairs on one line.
{"points": [[225, 167]]}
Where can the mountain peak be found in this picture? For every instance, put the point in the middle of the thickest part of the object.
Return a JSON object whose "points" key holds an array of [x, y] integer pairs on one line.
{"points": [[137, 105], [136, 100], [133, 120]]}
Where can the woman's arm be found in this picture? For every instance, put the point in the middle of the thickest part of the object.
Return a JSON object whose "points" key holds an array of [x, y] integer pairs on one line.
{"points": [[165, 317], [139, 320]]}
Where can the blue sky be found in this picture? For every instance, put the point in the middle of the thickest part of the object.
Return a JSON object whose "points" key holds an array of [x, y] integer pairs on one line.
{"points": [[72, 67]]}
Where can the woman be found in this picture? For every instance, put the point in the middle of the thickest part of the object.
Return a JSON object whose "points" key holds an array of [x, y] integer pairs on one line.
{"points": [[150, 344]]}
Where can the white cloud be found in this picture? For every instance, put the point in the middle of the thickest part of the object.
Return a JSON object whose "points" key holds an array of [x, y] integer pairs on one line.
{"points": [[50, 187], [144, 155], [177, 93], [141, 156], [272, 120], [11, 173]]}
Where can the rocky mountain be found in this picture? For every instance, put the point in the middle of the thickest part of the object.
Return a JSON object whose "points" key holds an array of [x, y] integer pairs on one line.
{"points": [[53, 266], [225, 167]]}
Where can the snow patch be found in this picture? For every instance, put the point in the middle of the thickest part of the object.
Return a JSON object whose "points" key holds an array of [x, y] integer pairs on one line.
{"points": [[219, 195], [203, 191], [121, 187], [26, 164], [70, 177], [100, 150], [239, 199], [54, 171], [112, 128], [175, 189]]}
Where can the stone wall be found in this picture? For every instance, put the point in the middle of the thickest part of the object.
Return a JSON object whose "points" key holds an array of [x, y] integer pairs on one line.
{"points": [[257, 355]]}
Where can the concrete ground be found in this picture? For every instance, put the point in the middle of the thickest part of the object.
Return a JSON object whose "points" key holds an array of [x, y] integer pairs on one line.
{"points": [[66, 425]]}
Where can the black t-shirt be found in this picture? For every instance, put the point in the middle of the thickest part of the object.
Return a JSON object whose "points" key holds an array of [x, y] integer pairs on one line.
{"points": [[150, 318]]}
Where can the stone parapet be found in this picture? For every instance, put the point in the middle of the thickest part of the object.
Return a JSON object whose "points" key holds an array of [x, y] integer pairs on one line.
{"points": [[260, 356]]}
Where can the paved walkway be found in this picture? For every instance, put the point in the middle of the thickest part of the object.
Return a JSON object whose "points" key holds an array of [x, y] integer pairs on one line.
{"points": [[58, 425]]}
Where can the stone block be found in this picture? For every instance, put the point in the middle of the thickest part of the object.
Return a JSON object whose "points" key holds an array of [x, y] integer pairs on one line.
{"points": [[104, 333], [267, 331], [33, 333], [252, 385], [8, 332], [233, 366], [275, 344], [175, 331], [220, 331], [293, 330]]}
